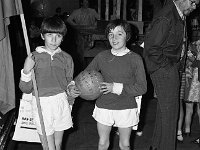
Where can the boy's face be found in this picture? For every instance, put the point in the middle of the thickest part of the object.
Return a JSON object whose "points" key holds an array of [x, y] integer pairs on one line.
{"points": [[117, 38], [52, 40]]}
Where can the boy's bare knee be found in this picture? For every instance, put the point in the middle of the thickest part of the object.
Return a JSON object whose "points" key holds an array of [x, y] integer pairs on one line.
{"points": [[103, 145], [124, 146]]}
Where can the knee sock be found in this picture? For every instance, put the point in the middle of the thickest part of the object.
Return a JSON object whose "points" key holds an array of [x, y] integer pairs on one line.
{"points": [[187, 130], [179, 132]]}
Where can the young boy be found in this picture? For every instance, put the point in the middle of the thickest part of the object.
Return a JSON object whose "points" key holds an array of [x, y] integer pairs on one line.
{"points": [[54, 73], [124, 80]]}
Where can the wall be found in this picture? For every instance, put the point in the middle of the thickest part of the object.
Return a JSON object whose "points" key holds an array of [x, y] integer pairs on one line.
{"points": [[66, 5], [51, 5]]}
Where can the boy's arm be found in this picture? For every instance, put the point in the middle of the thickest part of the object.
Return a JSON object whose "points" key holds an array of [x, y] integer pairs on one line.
{"points": [[139, 87], [69, 76], [69, 69], [25, 84]]}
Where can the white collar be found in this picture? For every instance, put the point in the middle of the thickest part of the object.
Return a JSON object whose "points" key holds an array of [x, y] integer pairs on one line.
{"points": [[120, 53], [41, 49]]}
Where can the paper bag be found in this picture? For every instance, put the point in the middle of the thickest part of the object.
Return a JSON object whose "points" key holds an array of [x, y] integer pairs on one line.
{"points": [[25, 129]]}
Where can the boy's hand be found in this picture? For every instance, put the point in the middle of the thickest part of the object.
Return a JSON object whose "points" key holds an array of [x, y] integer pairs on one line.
{"points": [[73, 91], [28, 65], [106, 87]]}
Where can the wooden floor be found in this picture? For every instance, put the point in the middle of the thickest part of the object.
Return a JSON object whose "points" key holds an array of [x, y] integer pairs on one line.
{"points": [[84, 135]]}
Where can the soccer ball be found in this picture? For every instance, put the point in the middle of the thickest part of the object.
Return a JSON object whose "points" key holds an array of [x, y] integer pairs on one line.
{"points": [[88, 83]]}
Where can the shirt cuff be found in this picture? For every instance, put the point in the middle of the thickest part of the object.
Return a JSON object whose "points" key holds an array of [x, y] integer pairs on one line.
{"points": [[117, 88], [25, 77]]}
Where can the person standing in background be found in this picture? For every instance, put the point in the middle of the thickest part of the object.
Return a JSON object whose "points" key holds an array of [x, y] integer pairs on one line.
{"points": [[83, 16], [82, 19], [162, 53], [194, 91]]}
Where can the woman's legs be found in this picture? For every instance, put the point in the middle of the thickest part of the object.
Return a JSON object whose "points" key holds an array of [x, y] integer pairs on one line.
{"points": [[180, 122], [104, 135], [188, 116], [124, 138]]}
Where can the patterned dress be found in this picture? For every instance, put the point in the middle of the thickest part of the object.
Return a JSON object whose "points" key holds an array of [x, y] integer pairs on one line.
{"points": [[194, 92]]}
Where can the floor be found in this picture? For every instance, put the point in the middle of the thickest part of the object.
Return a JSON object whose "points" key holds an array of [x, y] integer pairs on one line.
{"points": [[84, 135]]}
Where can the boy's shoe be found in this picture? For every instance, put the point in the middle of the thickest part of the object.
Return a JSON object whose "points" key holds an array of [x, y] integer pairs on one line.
{"points": [[180, 138]]}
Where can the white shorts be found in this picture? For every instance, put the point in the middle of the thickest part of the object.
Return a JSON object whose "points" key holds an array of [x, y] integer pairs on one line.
{"points": [[118, 118], [56, 113]]}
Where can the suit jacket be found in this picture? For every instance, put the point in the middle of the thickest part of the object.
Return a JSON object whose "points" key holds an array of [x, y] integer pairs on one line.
{"points": [[164, 39]]}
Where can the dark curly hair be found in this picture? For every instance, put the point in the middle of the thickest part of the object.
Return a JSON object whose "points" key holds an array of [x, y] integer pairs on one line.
{"points": [[118, 22]]}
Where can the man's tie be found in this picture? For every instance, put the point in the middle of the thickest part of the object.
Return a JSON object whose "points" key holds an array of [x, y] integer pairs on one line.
{"points": [[184, 47]]}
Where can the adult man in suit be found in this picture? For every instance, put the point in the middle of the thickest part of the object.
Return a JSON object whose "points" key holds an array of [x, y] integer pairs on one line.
{"points": [[162, 53]]}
